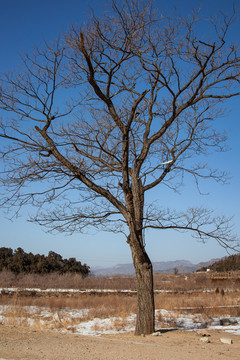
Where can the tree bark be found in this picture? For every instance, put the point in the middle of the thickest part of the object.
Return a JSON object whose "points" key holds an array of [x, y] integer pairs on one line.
{"points": [[145, 293]]}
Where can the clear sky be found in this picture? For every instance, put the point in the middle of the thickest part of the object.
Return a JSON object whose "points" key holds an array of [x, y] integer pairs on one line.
{"points": [[27, 23]]}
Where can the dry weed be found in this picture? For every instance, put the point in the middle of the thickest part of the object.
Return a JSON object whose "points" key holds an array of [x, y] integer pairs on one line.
{"points": [[192, 293]]}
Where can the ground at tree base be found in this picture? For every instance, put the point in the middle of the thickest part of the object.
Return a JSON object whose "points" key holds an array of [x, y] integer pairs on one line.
{"points": [[23, 343]]}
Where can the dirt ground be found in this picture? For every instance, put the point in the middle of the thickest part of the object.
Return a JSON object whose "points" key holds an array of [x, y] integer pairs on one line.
{"points": [[24, 343]]}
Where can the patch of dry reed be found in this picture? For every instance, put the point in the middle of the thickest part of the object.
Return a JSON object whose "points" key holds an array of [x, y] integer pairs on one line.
{"points": [[194, 293]]}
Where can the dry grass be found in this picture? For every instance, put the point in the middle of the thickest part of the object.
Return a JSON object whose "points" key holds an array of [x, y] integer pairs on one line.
{"points": [[193, 281], [66, 281], [53, 313], [209, 304], [175, 283], [194, 293], [111, 305]]}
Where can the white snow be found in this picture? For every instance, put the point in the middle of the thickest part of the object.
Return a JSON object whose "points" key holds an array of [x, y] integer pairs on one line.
{"points": [[15, 290], [97, 326]]}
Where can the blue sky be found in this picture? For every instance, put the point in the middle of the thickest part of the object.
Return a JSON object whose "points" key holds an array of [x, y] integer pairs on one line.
{"points": [[27, 23]]}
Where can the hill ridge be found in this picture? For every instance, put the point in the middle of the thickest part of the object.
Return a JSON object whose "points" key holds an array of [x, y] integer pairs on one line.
{"points": [[181, 266]]}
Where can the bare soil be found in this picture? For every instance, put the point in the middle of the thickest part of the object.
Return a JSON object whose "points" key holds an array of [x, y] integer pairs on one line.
{"points": [[30, 344]]}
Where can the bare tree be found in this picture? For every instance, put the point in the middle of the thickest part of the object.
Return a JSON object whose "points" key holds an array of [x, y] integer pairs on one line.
{"points": [[111, 111]]}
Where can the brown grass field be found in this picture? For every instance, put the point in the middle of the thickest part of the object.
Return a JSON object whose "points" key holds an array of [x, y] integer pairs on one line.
{"points": [[32, 332], [193, 293], [176, 283]]}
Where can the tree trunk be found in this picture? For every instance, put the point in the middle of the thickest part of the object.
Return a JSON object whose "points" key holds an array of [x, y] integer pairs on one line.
{"points": [[145, 294]]}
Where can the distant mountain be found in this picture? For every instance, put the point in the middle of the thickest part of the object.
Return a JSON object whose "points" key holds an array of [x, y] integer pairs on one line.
{"points": [[181, 266]]}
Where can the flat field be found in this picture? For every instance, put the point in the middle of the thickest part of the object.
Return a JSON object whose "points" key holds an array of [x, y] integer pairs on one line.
{"points": [[28, 344], [45, 317]]}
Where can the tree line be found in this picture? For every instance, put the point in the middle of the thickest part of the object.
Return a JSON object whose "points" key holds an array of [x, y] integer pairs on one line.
{"points": [[18, 261], [230, 263]]}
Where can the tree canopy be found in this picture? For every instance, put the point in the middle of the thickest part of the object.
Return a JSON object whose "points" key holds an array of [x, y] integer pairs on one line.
{"points": [[230, 263], [19, 261]]}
